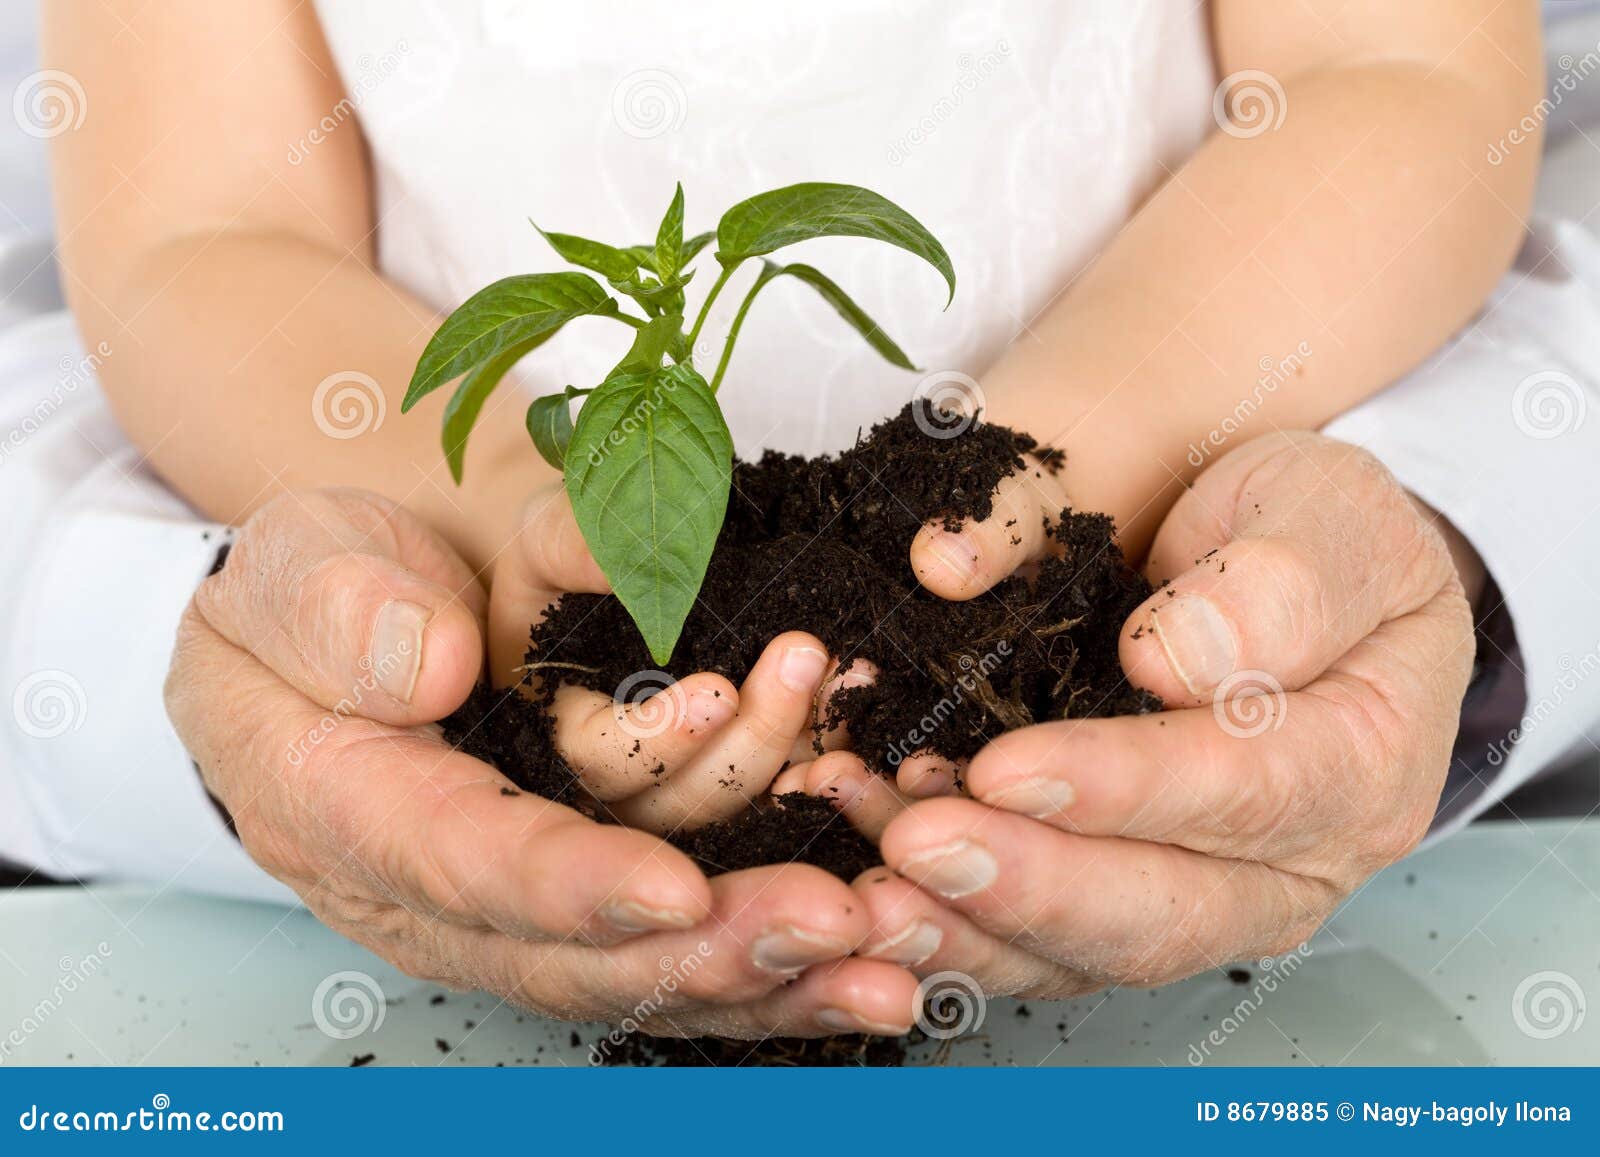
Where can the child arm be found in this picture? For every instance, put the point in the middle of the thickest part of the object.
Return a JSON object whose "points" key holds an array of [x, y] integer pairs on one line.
{"points": [[1295, 266]]}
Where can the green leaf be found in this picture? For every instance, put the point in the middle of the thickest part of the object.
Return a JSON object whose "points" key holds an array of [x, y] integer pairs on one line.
{"points": [[769, 221], [692, 247], [653, 341], [847, 309], [645, 255], [831, 293], [648, 472], [461, 412], [549, 424], [666, 295], [669, 239], [508, 313], [606, 260]]}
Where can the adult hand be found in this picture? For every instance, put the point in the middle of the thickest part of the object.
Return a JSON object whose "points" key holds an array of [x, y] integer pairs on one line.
{"points": [[696, 751], [305, 677], [1313, 648]]}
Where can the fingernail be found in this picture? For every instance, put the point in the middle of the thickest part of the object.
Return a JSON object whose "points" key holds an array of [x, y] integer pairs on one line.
{"points": [[1197, 641], [632, 916], [953, 870], [935, 779], [839, 790], [790, 949], [854, 677], [707, 710], [801, 668], [396, 649], [957, 555], [1033, 797], [839, 1020], [910, 946]]}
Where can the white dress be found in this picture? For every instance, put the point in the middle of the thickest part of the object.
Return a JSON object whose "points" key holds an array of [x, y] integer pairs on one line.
{"points": [[1022, 134]]}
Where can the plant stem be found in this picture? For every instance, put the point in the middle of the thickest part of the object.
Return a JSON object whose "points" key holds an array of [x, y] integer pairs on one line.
{"points": [[629, 319], [705, 308], [738, 323]]}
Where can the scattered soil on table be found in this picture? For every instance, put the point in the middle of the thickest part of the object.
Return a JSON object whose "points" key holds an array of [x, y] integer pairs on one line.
{"points": [[640, 1051], [821, 545]]}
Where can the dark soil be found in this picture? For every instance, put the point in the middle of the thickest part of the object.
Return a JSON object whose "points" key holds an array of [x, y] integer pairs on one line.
{"points": [[794, 827], [640, 1051], [821, 545]]}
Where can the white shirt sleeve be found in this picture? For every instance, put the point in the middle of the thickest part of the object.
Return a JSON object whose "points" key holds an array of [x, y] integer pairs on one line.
{"points": [[1500, 432], [94, 783]]}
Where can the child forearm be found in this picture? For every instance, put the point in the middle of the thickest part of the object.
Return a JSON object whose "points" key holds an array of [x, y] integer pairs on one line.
{"points": [[255, 345], [267, 363], [1275, 280]]}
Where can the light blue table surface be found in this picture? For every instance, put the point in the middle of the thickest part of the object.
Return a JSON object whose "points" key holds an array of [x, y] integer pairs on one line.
{"points": [[1485, 949]]}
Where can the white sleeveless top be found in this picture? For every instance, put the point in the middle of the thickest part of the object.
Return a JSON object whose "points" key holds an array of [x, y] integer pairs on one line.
{"points": [[1021, 134]]}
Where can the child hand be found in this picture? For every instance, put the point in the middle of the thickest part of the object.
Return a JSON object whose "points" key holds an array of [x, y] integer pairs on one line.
{"points": [[695, 752], [963, 564]]}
